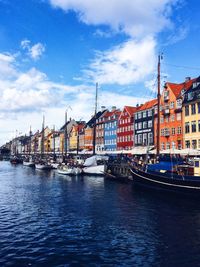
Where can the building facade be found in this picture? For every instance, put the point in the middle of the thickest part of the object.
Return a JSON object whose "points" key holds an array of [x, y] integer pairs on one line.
{"points": [[110, 129], [125, 129], [191, 116], [171, 124], [144, 124]]}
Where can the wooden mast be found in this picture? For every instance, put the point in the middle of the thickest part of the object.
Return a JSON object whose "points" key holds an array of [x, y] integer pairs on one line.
{"points": [[42, 138], [158, 111], [94, 126]]}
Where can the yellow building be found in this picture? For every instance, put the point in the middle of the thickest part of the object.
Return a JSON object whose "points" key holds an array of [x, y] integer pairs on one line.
{"points": [[73, 137], [191, 116], [62, 142]]}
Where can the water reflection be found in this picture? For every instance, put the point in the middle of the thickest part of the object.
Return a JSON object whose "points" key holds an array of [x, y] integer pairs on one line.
{"points": [[48, 219]]}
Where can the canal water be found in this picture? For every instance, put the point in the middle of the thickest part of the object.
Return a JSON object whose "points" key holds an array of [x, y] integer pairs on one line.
{"points": [[48, 219]]}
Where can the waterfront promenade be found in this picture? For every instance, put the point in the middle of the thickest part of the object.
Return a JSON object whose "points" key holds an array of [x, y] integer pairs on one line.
{"points": [[48, 219]]}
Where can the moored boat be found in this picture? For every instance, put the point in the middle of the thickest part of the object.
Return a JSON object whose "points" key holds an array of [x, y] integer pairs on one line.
{"points": [[43, 166], [95, 165], [69, 170], [16, 160], [176, 181], [29, 162]]}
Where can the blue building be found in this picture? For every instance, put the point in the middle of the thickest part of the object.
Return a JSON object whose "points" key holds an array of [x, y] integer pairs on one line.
{"points": [[110, 129]]}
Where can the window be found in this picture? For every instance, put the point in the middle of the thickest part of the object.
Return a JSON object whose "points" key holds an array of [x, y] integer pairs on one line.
{"points": [[173, 145], [139, 115], [194, 144], [162, 132], [140, 125], [162, 146], [150, 138], [173, 131], [144, 139], [149, 124], [179, 130], [193, 108], [187, 144], [193, 123], [135, 139], [179, 103], [144, 124], [136, 116], [187, 127], [167, 145], [171, 104], [140, 139], [149, 112], [161, 119], [178, 116], [136, 126], [144, 114], [172, 117], [187, 111]]}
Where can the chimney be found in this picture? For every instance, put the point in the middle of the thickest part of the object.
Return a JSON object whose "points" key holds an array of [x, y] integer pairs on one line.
{"points": [[113, 108], [187, 79], [103, 108]]}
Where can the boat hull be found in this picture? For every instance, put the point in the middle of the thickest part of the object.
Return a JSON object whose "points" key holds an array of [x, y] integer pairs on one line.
{"points": [[69, 171], [28, 164], [43, 167], [158, 181], [98, 170]]}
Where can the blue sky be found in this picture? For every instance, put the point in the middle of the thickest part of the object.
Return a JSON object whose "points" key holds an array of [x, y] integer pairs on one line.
{"points": [[52, 52]]}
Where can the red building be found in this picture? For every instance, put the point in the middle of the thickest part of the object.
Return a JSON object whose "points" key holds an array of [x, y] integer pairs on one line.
{"points": [[125, 130], [171, 128]]}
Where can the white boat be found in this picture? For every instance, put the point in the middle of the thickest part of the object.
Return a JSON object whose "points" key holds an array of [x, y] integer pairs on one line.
{"points": [[95, 165], [29, 162], [69, 170], [54, 165], [43, 166]]}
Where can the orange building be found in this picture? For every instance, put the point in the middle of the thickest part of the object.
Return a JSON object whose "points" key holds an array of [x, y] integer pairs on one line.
{"points": [[171, 128]]}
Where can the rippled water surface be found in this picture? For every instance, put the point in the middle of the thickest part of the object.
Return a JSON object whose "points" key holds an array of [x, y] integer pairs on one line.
{"points": [[48, 219]]}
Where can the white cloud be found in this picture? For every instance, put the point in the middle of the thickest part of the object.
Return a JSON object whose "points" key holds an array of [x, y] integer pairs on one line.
{"points": [[127, 63], [35, 51], [135, 18], [134, 59]]}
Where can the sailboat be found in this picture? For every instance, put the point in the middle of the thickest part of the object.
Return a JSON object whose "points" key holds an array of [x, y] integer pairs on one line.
{"points": [[95, 164], [28, 161], [42, 164], [182, 177]]}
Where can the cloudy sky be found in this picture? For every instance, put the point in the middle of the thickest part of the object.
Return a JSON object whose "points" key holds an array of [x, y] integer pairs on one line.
{"points": [[52, 52]]}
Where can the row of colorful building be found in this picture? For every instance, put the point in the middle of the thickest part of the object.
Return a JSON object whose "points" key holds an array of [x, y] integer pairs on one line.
{"points": [[117, 130]]}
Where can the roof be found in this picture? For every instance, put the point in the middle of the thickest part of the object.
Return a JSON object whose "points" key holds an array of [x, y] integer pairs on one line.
{"points": [[112, 112], [91, 122], [147, 105], [177, 87], [130, 110]]}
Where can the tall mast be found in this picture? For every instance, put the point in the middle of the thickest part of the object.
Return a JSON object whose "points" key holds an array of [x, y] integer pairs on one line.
{"points": [[54, 150], [66, 133], [94, 126], [42, 139], [158, 112]]}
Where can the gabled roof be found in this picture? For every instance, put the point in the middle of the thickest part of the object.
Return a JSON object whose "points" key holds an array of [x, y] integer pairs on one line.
{"points": [[129, 109], [111, 113], [91, 122], [178, 87], [148, 105]]}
